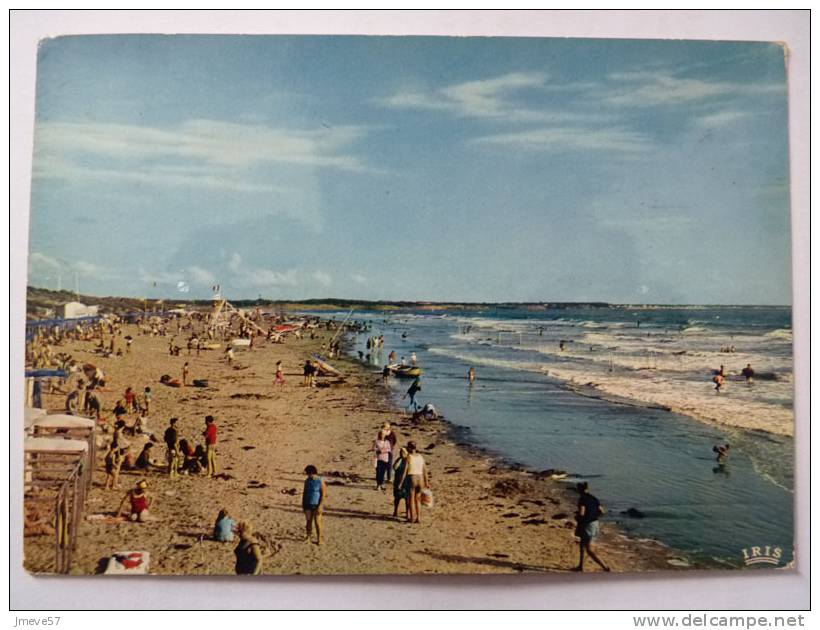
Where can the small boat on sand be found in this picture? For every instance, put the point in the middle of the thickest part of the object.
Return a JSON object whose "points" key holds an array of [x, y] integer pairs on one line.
{"points": [[325, 369]]}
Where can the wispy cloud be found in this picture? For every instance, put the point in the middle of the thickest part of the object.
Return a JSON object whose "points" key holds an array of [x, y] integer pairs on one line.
{"points": [[257, 277], [598, 120], [190, 275], [39, 262], [261, 278], [720, 119], [51, 167], [323, 278], [662, 88], [207, 154], [201, 276], [571, 139], [495, 98]]}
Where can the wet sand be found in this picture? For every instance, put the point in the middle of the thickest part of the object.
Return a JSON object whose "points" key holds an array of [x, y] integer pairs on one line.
{"points": [[487, 518]]}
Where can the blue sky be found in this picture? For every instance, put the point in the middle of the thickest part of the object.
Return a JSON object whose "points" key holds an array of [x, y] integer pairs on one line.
{"points": [[469, 169]]}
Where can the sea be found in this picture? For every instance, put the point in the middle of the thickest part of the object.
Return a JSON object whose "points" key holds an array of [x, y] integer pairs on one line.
{"points": [[588, 391]]}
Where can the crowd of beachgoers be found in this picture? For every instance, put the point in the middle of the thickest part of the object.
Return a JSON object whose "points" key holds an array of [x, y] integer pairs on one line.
{"points": [[134, 442]]}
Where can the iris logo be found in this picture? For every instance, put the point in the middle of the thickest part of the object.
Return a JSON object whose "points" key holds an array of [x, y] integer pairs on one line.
{"points": [[762, 555]]}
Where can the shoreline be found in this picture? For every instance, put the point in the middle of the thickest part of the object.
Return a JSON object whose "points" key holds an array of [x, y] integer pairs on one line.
{"points": [[486, 511], [503, 465]]}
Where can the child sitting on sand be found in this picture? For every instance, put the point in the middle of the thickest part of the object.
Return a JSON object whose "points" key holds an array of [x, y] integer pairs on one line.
{"points": [[144, 460], [224, 527]]}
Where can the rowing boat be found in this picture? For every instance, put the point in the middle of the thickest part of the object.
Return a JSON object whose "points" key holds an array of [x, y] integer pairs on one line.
{"points": [[405, 371]]}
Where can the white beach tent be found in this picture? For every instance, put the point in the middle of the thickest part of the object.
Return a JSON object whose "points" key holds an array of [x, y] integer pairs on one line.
{"points": [[55, 445], [30, 415], [68, 428], [63, 421]]}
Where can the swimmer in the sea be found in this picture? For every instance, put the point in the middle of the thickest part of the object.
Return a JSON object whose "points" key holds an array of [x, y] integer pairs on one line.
{"points": [[722, 453]]}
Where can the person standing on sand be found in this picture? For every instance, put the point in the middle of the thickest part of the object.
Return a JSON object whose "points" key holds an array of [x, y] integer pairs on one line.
{"points": [[247, 552], [130, 400], [588, 528], [185, 371], [718, 381], [386, 374], [414, 389], [113, 463], [313, 499], [415, 475], [400, 487], [117, 439], [390, 436], [748, 373], [146, 401], [229, 355], [72, 403], [307, 370], [210, 444], [382, 450], [171, 438], [279, 378]]}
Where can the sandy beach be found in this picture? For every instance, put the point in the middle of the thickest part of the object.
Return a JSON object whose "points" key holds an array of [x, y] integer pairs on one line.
{"points": [[487, 518]]}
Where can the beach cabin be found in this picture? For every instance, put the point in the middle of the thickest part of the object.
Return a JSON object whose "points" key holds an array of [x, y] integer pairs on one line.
{"points": [[65, 427], [76, 310], [54, 492]]}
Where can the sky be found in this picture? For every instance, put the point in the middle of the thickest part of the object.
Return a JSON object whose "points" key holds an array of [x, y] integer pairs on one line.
{"points": [[412, 168]]}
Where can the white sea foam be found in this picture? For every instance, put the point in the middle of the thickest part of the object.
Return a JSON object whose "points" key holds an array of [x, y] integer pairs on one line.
{"points": [[662, 369], [781, 333]]}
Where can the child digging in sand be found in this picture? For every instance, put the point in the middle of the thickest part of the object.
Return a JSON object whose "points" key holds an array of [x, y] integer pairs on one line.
{"points": [[139, 500], [313, 498]]}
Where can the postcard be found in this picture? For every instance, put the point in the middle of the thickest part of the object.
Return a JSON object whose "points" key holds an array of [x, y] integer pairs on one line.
{"points": [[332, 305]]}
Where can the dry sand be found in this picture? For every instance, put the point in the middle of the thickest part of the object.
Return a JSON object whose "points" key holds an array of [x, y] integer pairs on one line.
{"points": [[487, 518]]}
